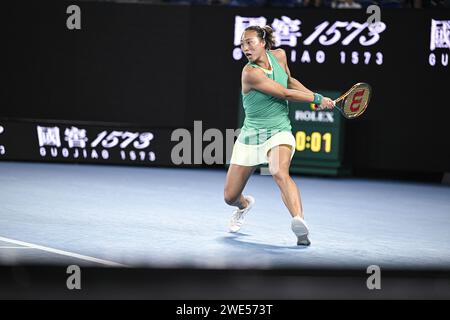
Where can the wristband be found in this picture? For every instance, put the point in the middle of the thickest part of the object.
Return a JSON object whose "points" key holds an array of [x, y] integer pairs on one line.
{"points": [[317, 99]]}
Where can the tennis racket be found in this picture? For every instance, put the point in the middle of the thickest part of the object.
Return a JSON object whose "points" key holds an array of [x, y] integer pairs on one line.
{"points": [[354, 102]]}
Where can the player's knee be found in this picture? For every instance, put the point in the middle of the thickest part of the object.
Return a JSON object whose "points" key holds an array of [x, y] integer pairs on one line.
{"points": [[230, 198], [280, 176]]}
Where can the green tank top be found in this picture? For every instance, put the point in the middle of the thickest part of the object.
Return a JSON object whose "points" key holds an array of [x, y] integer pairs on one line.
{"points": [[265, 115]]}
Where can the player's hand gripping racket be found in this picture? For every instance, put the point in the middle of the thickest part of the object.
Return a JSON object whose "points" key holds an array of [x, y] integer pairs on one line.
{"points": [[354, 102]]}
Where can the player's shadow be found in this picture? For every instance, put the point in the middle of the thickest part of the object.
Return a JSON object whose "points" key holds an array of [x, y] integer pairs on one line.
{"points": [[235, 240]]}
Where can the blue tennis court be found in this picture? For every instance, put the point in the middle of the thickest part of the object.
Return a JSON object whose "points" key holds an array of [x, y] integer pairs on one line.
{"points": [[163, 217]]}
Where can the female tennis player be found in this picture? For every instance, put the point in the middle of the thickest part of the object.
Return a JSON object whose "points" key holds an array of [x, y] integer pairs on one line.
{"points": [[266, 136]]}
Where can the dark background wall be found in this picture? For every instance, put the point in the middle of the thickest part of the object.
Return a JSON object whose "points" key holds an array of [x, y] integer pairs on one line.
{"points": [[127, 64], [166, 66]]}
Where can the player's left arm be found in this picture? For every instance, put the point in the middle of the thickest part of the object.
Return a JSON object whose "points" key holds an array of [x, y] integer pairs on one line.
{"points": [[292, 82]]}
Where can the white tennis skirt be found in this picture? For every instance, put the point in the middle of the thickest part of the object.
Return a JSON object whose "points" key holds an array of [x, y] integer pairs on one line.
{"points": [[252, 155]]}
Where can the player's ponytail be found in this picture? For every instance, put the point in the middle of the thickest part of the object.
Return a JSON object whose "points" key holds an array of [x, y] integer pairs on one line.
{"points": [[269, 37]]}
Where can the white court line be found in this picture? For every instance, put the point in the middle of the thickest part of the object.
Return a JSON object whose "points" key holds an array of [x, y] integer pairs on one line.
{"points": [[12, 247], [61, 252]]}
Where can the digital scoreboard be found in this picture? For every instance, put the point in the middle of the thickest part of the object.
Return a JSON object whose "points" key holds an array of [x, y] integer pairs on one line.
{"points": [[319, 136]]}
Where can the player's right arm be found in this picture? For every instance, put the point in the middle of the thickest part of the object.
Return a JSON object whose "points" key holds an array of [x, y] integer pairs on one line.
{"points": [[255, 79]]}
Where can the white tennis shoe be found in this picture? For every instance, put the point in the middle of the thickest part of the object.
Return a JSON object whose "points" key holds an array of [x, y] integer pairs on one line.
{"points": [[237, 219], [300, 228]]}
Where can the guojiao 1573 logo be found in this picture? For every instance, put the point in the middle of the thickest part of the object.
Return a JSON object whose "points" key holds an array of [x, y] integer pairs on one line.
{"points": [[313, 47], [439, 43], [78, 144]]}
